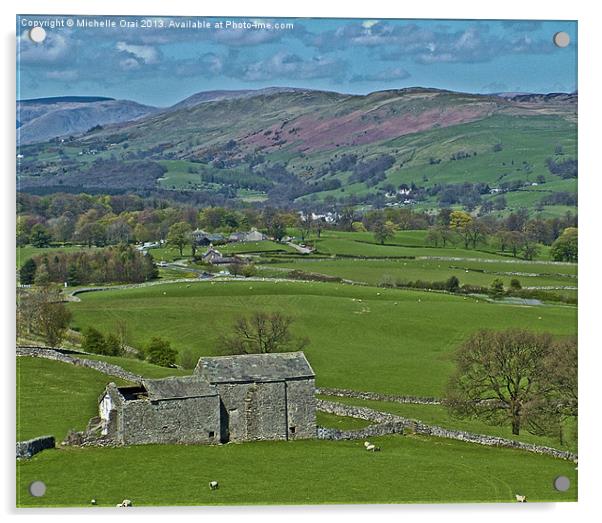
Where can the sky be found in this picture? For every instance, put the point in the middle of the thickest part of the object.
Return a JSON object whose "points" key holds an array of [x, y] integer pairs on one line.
{"points": [[160, 61]]}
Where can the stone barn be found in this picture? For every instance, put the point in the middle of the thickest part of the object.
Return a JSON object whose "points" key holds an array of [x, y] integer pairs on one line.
{"points": [[229, 398], [263, 396], [170, 410]]}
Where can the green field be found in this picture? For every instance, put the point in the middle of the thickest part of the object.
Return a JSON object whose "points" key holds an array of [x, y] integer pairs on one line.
{"points": [[55, 397], [376, 272], [362, 338], [27, 251], [408, 469]]}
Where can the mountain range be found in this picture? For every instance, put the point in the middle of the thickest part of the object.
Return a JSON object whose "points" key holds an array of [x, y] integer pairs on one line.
{"points": [[301, 145]]}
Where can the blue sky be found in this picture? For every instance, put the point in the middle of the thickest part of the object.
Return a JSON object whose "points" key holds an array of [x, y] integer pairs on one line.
{"points": [[165, 63]]}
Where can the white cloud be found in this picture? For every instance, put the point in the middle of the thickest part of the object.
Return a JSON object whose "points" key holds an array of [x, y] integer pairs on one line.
{"points": [[144, 53]]}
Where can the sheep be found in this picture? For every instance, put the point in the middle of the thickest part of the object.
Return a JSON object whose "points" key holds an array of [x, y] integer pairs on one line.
{"points": [[371, 447], [520, 499], [92, 502], [213, 485], [125, 503]]}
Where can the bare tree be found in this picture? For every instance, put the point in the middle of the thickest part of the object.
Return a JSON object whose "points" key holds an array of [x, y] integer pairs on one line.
{"points": [[262, 332]]}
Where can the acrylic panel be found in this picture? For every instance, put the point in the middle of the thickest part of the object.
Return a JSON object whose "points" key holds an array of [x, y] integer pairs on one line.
{"points": [[295, 261]]}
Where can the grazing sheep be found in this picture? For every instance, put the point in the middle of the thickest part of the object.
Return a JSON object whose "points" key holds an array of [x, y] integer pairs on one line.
{"points": [[371, 447], [213, 485], [92, 502], [520, 499], [125, 503]]}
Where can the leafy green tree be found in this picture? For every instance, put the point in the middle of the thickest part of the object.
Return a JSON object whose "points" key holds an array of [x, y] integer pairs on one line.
{"points": [[94, 341], [565, 246], [500, 377], [515, 284], [40, 237], [384, 230], [159, 352], [496, 290], [452, 284], [112, 345], [277, 227], [27, 272], [178, 235]]}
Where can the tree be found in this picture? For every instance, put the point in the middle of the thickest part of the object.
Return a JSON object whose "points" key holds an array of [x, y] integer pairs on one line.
{"points": [[27, 272], [40, 237], [52, 318], [112, 345], [277, 227], [358, 227], [515, 284], [159, 352], [178, 235], [500, 376], [94, 341], [188, 360], [496, 291], [452, 284], [565, 246], [262, 332], [384, 230], [460, 221]]}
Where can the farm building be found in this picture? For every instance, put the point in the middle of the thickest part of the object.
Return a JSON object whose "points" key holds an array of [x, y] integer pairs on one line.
{"points": [[252, 236], [213, 257], [229, 398], [263, 396], [203, 238]]}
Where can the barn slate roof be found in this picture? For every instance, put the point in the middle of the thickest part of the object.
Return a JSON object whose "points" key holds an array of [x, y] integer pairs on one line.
{"points": [[254, 367], [178, 387]]}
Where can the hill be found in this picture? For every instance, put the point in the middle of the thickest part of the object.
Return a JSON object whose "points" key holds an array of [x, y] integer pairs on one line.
{"points": [[46, 118], [314, 147]]}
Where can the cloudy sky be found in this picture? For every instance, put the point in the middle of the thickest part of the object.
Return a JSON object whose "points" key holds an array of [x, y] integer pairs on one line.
{"points": [[166, 62]]}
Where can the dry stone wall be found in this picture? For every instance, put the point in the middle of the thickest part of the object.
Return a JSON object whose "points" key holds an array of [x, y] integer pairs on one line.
{"points": [[346, 393], [27, 449], [100, 366], [417, 427]]}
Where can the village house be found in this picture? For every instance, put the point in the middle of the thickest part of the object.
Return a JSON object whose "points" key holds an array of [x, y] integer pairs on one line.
{"points": [[252, 236], [229, 398], [203, 238], [213, 257]]}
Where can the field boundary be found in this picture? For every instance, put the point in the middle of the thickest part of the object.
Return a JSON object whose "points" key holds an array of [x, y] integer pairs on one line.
{"points": [[106, 368], [366, 395], [418, 427]]}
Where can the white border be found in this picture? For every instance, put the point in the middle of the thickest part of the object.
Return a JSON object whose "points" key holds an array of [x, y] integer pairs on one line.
{"points": [[590, 192]]}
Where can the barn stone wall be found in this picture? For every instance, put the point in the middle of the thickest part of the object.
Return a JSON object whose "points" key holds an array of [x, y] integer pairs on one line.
{"points": [[185, 421], [301, 409], [268, 411]]}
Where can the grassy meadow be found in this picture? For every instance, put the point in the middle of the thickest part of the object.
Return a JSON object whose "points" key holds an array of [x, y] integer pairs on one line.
{"points": [[362, 338]]}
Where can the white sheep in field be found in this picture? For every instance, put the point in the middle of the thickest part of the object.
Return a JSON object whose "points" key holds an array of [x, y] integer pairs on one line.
{"points": [[371, 447], [520, 499], [213, 485], [125, 503]]}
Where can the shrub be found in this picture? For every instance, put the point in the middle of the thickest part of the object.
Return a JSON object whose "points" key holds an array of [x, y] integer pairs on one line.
{"points": [[94, 341], [159, 352]]}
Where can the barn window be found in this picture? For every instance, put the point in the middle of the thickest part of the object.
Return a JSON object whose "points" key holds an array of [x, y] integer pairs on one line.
{"points": [[292, 429], [211, 434]]}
